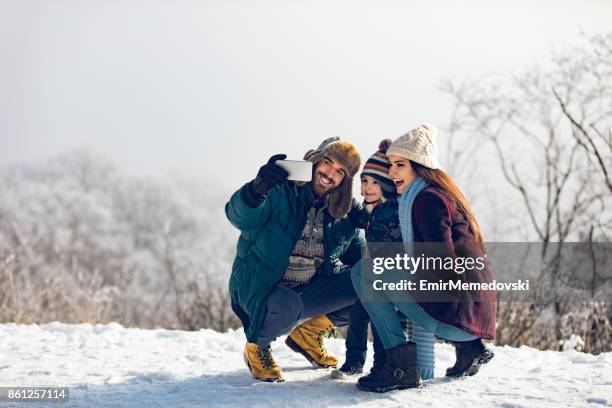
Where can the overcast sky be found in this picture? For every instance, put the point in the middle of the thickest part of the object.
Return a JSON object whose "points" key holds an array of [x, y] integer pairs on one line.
{"points": [[218, 86]]}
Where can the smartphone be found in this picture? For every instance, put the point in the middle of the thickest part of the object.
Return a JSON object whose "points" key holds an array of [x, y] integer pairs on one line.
{"points": [[299, 170]]}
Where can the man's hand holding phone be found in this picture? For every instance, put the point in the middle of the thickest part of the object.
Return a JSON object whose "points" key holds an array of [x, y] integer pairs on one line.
{"points": [[270, 175], [276, 171]]}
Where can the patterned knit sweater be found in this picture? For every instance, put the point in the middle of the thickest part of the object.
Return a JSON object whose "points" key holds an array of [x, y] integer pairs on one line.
{"points": [[309, 252]]}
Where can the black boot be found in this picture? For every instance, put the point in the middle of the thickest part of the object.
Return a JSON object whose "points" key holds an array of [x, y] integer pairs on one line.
{"points": [[470, 356], [347, 369], [399, 372]]}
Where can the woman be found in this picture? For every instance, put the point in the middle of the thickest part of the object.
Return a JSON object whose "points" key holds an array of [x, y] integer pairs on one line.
{"points": [[436, 222]]}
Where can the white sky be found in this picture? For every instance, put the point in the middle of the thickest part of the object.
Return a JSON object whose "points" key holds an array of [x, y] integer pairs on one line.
{"points": [[216, 87]]}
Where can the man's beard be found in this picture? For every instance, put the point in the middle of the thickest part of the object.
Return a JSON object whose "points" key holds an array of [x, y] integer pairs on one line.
{"points": [[319, 191]]}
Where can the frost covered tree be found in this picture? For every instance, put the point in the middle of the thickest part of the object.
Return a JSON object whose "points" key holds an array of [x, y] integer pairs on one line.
{"points": [[549, 133], [80, 242]]}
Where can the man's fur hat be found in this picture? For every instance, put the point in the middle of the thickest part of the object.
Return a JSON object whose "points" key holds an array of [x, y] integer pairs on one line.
{"points": [[340, 151]]}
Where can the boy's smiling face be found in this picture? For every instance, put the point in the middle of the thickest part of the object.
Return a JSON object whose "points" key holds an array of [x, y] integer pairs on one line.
{"points": [[370, 189]]}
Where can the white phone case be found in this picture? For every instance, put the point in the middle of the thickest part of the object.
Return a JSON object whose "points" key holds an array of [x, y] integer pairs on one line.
{"points": [[299, 170]]}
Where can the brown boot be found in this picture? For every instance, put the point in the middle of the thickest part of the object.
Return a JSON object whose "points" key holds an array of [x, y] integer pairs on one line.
{"points": [[261, 363], [307, 339]]}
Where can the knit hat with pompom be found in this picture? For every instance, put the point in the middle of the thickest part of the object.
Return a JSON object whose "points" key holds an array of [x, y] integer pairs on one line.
{"points": [[378, 166]]}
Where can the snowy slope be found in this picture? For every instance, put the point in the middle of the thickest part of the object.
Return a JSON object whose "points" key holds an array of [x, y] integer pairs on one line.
{"points": [[108, 365]]}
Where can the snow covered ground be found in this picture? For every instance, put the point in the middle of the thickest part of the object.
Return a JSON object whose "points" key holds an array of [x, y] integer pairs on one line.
{"points": [[108, 365]]}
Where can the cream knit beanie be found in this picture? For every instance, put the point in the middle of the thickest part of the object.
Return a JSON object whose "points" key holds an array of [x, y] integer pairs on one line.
{"points": [[418, 145]]}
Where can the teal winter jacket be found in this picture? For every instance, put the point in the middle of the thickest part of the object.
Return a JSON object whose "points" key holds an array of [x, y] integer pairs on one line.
{"points": [[268, 235]]}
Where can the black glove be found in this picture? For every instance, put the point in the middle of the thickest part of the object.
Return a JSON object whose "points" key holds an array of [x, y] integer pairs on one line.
{"points": [[268, 176]]}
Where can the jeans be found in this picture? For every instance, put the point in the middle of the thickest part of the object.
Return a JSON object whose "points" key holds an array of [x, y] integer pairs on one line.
{"points": [[357, 337], [384, 313]]}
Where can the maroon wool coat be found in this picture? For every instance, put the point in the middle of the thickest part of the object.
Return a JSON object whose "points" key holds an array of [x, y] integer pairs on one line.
{"points": [[440, 229]]}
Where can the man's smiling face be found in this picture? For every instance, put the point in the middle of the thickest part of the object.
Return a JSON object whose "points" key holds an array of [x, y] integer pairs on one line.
{"points": [[327, 175]]}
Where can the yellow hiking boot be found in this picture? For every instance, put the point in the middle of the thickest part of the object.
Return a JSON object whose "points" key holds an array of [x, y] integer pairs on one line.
{"points": [[307, 339], [262, 364]]}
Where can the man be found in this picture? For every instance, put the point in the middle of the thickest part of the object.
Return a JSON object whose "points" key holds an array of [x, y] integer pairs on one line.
{"points": [[293, 256]]}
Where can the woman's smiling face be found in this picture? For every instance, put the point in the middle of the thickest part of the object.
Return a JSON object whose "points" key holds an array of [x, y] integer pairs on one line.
{"points": [[401, 172]]}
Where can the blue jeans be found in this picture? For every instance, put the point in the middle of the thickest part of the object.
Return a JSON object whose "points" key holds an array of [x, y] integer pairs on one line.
{"points": [[383, 313], [357, 337]]}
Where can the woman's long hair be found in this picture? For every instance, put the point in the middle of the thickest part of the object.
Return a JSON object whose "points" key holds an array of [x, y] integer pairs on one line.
{"points": [[444, 182]]}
